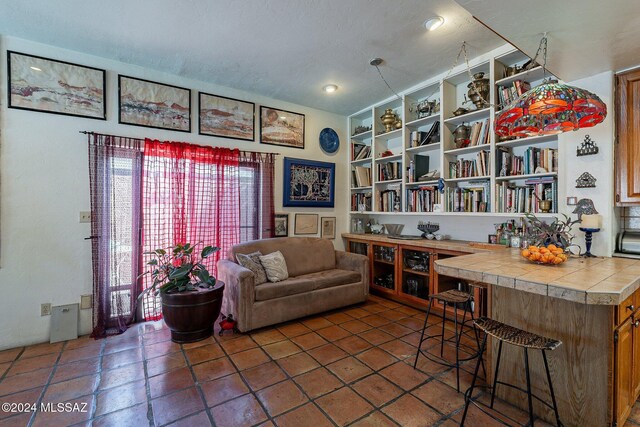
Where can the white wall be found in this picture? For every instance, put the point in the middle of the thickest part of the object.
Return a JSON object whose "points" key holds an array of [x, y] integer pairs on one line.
{"points": [[44, 186]]}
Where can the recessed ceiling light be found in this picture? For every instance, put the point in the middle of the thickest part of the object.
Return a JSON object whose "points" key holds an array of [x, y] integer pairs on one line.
{"points": [[35, 68], [434, 23], [330, 88]]}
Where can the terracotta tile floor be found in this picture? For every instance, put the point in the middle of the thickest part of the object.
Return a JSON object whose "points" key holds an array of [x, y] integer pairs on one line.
{"points": [[347, 367]]}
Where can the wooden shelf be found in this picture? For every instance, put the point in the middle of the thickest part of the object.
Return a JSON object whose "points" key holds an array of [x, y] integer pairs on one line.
{"points": [[532, 140], [531, 175], [414, 124], [473, 178], [388, 159], [389, 135], [423, 148], [533, 74], [361, 161], [468, 117], [418, 273], [362, 136], [361, 188], [390, 181], [417, 184], [384, 262], [466, 150]]}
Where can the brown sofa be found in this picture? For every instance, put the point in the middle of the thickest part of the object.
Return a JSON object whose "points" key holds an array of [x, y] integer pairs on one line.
{"points": [[320, 279]]}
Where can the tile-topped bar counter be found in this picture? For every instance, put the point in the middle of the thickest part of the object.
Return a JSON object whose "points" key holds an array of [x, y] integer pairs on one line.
{"points": [[588, 304], [449, 245], [606, 281]]}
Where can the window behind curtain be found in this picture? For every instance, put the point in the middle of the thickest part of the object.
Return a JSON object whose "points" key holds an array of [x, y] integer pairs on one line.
{"points": [[256, 196]]}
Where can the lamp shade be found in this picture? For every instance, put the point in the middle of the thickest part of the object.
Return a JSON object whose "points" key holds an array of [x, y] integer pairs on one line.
{"points": [[550, 108]]}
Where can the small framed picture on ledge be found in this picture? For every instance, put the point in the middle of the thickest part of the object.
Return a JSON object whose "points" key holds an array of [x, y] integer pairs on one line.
{"points": [[281, 225], [328, 227], [305, 224]]}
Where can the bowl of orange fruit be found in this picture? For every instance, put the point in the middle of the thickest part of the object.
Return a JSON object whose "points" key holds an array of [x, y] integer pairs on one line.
{"points": [[547, 255]]}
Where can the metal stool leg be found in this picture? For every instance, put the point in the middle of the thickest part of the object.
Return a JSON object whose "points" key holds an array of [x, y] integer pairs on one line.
{"points": [[424, 327], [529, 398], [475, 332], [495, 374], [444, 319], [457, 337], [469, 393], [553, 396]]}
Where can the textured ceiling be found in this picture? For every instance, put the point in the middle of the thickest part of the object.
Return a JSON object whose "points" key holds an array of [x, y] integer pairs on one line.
{"points": [[585, 37], [285, 49]]}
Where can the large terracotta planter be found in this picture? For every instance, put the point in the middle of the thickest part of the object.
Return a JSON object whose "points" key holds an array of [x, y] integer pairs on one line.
{"points": [[190, 315]]}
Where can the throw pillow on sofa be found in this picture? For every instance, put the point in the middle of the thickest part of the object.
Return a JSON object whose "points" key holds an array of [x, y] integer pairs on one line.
{"points": [[252, 262], [275, 266]]}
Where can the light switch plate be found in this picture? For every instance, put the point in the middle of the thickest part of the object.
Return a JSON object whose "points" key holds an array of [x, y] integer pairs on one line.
{"points": [[86, 302], [85, 216]]}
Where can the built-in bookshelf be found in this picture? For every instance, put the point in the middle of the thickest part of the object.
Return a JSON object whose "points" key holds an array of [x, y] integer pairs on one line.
{"points": [[419, 168]]}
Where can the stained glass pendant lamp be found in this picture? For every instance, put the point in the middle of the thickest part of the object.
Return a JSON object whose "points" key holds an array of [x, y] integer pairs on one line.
{"points": [[550, 108]]}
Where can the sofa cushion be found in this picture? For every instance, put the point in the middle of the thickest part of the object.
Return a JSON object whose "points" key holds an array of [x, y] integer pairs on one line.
{"points": [[306, 283], [275, 266], [303, 254], [252, 262]]}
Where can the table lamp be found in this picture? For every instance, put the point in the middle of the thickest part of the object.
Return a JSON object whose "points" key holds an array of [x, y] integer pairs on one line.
{"points": [[590, 224]]}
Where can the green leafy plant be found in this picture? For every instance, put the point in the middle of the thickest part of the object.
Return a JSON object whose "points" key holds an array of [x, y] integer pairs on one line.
{"points": [[179, 269], [557, 232]]}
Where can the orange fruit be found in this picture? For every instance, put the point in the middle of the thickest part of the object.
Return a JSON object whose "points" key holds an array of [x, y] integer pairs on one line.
{"points": [[534, 249], [551, 247], [557, 260], [544, 250], [556, 251], [525, 253]]}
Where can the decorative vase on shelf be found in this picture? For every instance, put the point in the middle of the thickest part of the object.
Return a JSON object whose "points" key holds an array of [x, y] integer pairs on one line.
{"points": [[479, 90], [388, 119]]}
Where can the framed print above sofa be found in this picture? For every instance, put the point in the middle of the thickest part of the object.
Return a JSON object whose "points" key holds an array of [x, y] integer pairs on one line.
{"points": [[308, 183]]}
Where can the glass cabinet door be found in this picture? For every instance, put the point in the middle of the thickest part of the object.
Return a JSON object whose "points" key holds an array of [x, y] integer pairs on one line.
{"points": [[384, 262], [359, 248], [416, 273]]}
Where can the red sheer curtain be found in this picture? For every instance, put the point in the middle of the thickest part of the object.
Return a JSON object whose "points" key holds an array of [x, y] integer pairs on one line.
{"points": [[190, 194]]}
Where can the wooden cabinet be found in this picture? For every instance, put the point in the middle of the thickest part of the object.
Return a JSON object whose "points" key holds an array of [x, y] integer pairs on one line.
{"points": [[627, 146], [627, 358]]}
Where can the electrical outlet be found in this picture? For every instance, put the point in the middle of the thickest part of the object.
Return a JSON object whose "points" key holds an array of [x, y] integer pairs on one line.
{"points": [[85, 216], [45, 309], [86, 302]]}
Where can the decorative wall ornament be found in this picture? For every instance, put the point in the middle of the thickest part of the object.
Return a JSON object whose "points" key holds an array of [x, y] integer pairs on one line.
{"points": [[153, 105], [308, 183], [50, 86], [585, 207], [226, 117], [588, 147], [586, 180]]}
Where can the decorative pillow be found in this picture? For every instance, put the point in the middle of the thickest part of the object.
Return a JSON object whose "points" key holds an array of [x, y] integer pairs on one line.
{"points": [[252, 262], [275, 266]]}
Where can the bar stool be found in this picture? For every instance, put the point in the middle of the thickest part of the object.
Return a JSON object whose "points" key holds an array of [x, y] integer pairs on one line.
{"points": [[519, 338], [455, 299]]}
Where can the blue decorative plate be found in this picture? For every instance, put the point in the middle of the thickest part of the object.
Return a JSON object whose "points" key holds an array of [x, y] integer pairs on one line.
{"points": [[329, 140]]}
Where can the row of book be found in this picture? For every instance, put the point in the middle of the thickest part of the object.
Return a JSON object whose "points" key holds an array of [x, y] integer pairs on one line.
{"points": [[532, 159], [479, 133], [389, 199], [422, 199], [419, 138], [508, 94], [469, 199], [389, 171], [360, 152], [360, 177], [511, 198], [469, 168], [361, 199]]}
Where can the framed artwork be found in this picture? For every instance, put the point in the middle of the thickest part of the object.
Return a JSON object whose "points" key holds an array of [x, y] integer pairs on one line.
{"points": [[308, 183], [49, 86], [282, 225], [153, 105], [328, 227], [280, 127], [226, 117], [306, 224]]}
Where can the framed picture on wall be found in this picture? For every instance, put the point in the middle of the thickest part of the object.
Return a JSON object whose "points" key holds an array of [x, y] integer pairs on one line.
{"points": [[306, 224], [307, 183], [49, 86], [281, 127], [328, 227], [153, 105], [282, 225], [226, 117]]}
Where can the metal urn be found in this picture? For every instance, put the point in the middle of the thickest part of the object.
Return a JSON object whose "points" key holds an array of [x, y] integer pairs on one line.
{"points": [[389, 118], [425, 108], [461, 136], [479, 90]]}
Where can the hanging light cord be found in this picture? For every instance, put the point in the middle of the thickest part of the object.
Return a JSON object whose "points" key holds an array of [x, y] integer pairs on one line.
{"points": [[387, 83], [542, 47]]}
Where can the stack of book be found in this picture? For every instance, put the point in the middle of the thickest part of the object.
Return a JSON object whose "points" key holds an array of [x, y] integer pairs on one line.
{"points": [[471, 199], [389, 199], [419, 138], [513, 198], [422, 199], [508, 94], [470, 168], [389, 171], [533, 158], [358, 199], [361, 177], [360, 152], [479, 134]]}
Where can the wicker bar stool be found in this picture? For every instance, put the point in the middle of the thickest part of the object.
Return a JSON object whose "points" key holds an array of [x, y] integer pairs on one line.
{"points": [[519, 338], [455, 299]]}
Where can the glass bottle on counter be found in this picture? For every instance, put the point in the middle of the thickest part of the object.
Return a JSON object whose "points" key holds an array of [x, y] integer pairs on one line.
{"points": [[516, 239]]}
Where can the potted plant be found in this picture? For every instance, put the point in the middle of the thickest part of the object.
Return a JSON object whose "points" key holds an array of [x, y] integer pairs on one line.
{"points": [[191, 296], [557, 232]]}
